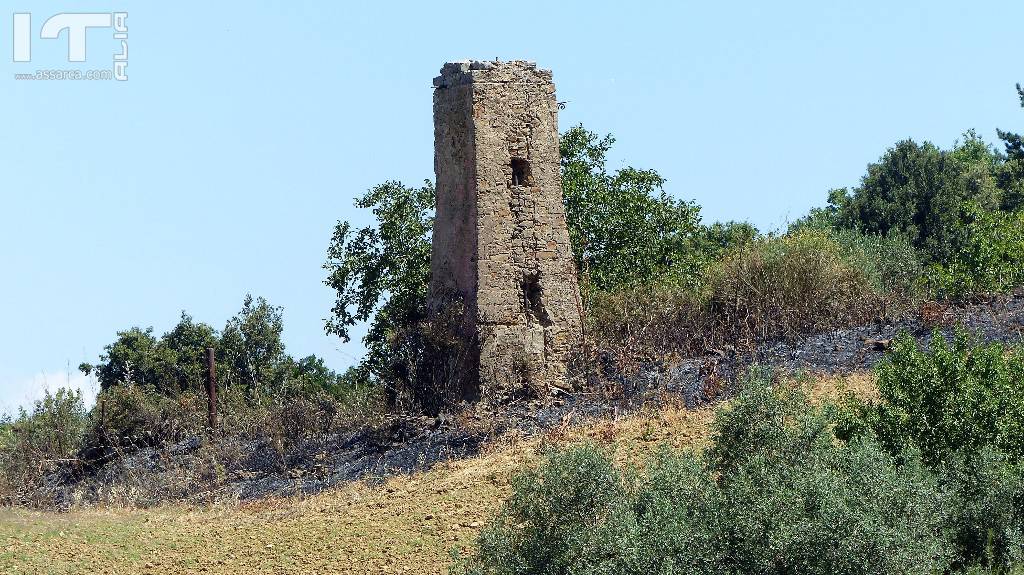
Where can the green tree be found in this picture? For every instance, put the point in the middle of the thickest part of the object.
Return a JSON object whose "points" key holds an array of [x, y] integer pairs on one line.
{"points": [[309, 375], [625, 229], [721, 237], [381, 272], [251, 348], [176, 362], [1014, 142], [250, 353], [922, 193], [1011, 173], [186, 346], [134, 358]]}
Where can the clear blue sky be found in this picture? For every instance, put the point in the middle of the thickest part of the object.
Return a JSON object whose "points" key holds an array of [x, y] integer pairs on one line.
{"points": [[243, 133]]}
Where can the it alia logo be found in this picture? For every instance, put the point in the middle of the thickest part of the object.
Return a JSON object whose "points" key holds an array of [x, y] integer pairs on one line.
{"points": [[76, 27]]}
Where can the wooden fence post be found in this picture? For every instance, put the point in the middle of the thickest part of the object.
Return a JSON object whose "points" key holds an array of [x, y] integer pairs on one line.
{"points": [[211, 386]]}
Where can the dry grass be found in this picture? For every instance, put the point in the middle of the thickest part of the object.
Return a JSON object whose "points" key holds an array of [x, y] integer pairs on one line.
{"points": [[408, 524], [771, 289], [822, 388]]}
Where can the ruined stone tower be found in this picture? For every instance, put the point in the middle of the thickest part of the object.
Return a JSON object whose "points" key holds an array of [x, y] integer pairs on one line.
{"points": [[501, 245]]}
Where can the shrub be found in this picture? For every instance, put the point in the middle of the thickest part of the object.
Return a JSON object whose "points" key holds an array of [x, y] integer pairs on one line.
{"points": [[985, 508], [799, 502], [127, 417], [767, 289], [891, 263], [949, 396], [990, 259], [781, 288], [569, 514], [762, 421], [959, 403], [784, 498], [39, 442]]}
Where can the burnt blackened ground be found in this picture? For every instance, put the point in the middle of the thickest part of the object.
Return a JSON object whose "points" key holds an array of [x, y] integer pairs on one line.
{"points": [[844, 351], [207, 469], [184, 471], [995, 320], [423, 442]]}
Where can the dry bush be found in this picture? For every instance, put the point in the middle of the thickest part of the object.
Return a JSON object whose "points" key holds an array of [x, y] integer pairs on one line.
{"points": [[256, 435], [782, 288], [138, 447], [191, 470], [646, 323], [433, 363], [38, 443], [129, 417], [771, 289]]}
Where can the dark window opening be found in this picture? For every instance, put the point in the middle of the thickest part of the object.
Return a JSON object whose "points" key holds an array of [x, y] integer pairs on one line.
{"points": [[533, 299], [520, 172]]}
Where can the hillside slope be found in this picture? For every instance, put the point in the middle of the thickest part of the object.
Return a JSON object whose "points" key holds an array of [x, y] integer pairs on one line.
{"points": [[406, 524]]}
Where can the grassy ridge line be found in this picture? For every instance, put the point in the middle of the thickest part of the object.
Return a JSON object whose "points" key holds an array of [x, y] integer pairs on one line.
{"points": [[409, 524]]}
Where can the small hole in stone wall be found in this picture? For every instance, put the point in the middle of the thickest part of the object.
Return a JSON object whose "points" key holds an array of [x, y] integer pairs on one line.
{"points": [[533, 299], [520, 172]]}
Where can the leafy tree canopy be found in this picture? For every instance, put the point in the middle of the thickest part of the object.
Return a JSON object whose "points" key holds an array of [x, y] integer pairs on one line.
{"points": [[249, 354], [921, 192], [1011, 174], [382, 271], [625, 229], [931, 196]]}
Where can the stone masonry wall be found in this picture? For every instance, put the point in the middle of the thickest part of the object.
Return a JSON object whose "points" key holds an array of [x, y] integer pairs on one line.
{"points": [[501, 244]]}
